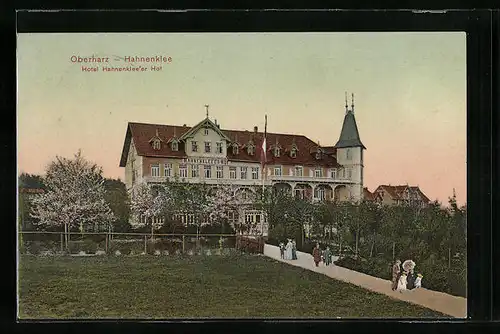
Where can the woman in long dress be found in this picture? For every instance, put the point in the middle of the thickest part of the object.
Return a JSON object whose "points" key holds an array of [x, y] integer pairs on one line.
{"points": [[410, 280], [402, 282], [396, 270], [316, 255], [288, 250], [294, 250]]}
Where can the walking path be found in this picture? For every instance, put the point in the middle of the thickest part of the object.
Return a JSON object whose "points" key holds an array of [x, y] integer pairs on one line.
{"points": [[438, 301]]}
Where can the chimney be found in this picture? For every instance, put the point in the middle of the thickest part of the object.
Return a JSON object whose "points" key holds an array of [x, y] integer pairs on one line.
{"points": [[255, 129], [215, 121], [184, 125]]}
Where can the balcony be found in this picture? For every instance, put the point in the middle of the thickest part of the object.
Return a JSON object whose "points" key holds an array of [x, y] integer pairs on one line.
{"points": [[242, 182], [323, 179]]}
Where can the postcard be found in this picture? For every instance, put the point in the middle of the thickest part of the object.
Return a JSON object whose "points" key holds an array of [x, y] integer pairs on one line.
{"points": [[241, 175]]}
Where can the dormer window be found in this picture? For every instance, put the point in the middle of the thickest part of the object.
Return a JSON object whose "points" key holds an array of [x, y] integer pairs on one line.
{"points": [[156, 144], [293, 153], [250, 148], [277, 152], [175, 145], [156, 141], [318, 155], [235, 149]]}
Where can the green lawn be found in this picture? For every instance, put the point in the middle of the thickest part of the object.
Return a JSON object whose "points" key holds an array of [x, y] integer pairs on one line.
{"points": [[198, 286]]}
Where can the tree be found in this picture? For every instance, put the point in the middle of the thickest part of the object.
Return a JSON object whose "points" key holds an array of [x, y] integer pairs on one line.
{"points": [[221, 202], [75, 196], [149, 203], [28, 183], [119, 202]]}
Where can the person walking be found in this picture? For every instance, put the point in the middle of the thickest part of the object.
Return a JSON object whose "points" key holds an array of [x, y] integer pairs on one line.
{"points": [[328, 256], [288, 250], [294, 250], [282, 250], [396, 271], [316, 255]]}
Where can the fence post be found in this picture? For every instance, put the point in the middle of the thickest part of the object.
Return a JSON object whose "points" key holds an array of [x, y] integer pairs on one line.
{"points": [[183, 244], [62, 243], [106, 244], [145, 244]]}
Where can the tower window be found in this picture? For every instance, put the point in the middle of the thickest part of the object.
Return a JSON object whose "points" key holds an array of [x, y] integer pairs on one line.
{"points": [[348, 154]]}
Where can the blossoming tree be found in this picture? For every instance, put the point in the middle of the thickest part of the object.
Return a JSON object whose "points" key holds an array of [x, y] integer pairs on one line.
{"points": [[75, 196], [148, 204]]}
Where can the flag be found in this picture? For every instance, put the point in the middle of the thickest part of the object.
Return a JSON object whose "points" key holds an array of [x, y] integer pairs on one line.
{"points": [[264, 148]]}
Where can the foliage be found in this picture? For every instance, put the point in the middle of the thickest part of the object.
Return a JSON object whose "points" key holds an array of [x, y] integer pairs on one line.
{"points": [[75, 195], [119, 202]]}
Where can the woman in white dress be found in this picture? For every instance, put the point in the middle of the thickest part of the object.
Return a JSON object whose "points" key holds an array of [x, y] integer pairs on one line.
{"points": [[402, 282], [288, 250]]}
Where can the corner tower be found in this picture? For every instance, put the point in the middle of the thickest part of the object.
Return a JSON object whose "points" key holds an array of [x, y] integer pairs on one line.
{"points": [[350, 152]]}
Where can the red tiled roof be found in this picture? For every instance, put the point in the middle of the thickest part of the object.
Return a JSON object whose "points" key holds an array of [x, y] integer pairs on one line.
{"points": [[397, 192], [142, 134]]}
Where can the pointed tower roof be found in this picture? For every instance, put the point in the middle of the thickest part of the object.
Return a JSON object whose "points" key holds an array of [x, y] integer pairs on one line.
{"points": [[349, 136]]}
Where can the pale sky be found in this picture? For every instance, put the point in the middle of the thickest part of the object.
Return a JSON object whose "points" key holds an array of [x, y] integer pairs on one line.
{"points": [[410, 96]]}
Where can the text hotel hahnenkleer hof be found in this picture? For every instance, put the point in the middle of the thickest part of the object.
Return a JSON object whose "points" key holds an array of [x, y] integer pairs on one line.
{"points": [[112, 64]]}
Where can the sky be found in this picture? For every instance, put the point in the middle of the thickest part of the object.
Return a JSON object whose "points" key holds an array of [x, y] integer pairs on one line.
{"points": [[410, 96]]}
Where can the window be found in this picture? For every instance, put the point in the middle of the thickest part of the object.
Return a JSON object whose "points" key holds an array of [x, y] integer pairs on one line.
{"points": [[208, 147], [299, 171], [175, 146], [251, 150], [293, 153], [333, 173], [208, 171], [277, 171], [167, 170], [235, 148], [205, 131], [232, 172], [277, 152], [318, 173], [155, 170], [156, 144], [220, 172], [319, 193], [243, 173], [194, 146], [255, 173], [349, 173], [318, 155], [342, 173], [348, 154], [195, 171], [183, 171], [299, 193], [219, 148]]}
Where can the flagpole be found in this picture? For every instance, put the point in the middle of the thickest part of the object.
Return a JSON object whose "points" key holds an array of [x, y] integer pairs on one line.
{"points": [[263, 162]]}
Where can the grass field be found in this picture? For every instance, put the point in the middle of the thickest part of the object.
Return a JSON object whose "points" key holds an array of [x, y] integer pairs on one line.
{"points": [[175, 287]]}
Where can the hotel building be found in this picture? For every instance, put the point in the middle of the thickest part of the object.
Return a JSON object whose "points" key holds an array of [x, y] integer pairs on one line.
{"points": [[207, 153]]}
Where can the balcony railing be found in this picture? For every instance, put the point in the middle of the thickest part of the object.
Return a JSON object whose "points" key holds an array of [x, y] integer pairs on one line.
{"points": [[309, 178]]}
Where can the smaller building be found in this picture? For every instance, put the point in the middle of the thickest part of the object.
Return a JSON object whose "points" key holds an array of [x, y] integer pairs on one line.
{"points": [[397, 195]]}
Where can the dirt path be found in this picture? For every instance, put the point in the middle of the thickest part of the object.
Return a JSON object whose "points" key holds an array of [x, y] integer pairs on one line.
{"points": [[438, 301]]}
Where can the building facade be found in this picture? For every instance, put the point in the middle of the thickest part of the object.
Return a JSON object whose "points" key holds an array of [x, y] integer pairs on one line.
{"points": [[397, 195], [205, 153]]}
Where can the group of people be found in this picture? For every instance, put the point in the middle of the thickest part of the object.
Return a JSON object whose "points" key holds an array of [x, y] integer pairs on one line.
{"points": [[288, 251], [404, 278], [325, 256]]}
